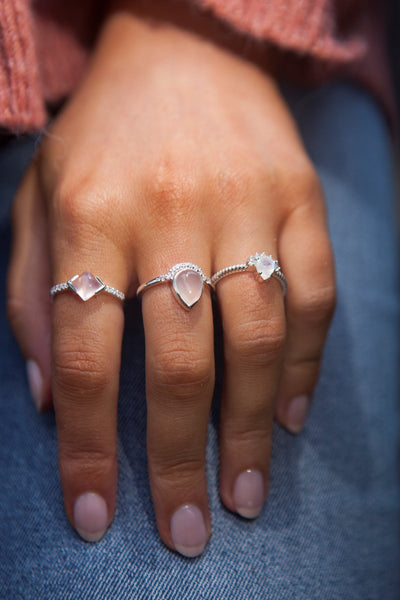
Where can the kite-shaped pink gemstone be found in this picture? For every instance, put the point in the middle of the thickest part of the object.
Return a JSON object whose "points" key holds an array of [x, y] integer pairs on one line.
{"points": [[86, 285]]}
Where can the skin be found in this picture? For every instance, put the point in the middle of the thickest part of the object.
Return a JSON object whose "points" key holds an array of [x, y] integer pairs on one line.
{"points": [[174, 148]]}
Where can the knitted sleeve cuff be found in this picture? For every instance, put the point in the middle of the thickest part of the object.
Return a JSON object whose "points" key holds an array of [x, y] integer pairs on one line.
{"points": [[21, 103], [308, 27]]}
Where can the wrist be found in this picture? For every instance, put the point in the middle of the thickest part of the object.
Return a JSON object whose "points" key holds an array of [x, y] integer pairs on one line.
{"points": [[169, 18]]}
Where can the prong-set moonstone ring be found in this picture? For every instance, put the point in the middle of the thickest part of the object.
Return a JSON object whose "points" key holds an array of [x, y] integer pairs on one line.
{"points": [[86, 285], [187, 283], [264, 264]]}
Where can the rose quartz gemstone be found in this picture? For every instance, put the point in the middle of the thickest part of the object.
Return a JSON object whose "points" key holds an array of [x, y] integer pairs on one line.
{"points": [[86, 285], [188, 286]]}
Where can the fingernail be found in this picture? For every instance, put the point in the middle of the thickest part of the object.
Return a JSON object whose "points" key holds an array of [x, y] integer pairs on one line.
{"points": [[297, 413], [248, 493], [90, 516], [188, 530], [35, 381]]}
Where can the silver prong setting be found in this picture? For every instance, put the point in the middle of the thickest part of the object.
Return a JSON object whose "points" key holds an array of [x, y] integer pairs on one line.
{"points": [[264, 264]]}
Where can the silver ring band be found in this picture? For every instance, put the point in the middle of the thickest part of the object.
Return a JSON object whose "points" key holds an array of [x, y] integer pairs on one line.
{"points": [[86, 285], [187, 283], [264, 264]]}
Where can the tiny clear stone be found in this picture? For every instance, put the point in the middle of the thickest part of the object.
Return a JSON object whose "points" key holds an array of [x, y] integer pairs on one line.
{"points": [[265, 266], [86, 285], [188, 286]]}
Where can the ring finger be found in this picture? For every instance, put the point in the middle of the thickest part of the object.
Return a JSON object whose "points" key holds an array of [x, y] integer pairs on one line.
{"points": [[254, 333]]}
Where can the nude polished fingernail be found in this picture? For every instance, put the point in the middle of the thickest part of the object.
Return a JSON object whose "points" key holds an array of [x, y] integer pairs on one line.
{"points": [[35, 381], [248, 493], [90, 516], [188, 530], [297, 413]]}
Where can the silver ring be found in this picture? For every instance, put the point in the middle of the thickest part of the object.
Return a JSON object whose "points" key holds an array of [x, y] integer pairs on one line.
{"points": [[187, 283], [86, 285], [265, 265]]}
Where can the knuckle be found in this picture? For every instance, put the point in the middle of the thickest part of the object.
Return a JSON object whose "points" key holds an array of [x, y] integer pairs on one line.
{"points": [[181, 372], [300, 365], [244, 180], [260, 340], [317, 306], [78, 203], [236, 182], [304, 176], [253, 422], [241, 437], [15, 309], [178, 468], [81, 463], [76, 370], [171, 191], [302, 185]]}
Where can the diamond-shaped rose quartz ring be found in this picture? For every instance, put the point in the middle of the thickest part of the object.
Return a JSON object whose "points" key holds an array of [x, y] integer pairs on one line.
{"points": [[264, 264], [187, 283], [86, 285]]}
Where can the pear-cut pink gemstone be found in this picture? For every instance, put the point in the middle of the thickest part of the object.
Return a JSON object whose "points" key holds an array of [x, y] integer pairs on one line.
{"points": [[86, 285], [188, 286]]}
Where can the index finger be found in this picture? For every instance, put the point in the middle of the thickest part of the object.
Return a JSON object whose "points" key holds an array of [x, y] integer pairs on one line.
{"points": [[86, 351]]}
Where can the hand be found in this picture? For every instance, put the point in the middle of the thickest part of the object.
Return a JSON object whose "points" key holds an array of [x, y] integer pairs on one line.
{"points": [[172, 150]]}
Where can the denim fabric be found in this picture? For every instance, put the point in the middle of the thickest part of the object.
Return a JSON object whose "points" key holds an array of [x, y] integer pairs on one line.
{"points": [[330, 528]]}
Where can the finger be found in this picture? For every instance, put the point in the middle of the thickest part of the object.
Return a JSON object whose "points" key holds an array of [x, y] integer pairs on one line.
{"points": [[254, 333], [308, 263], [86, 350], [179, 386], [28, 284]]}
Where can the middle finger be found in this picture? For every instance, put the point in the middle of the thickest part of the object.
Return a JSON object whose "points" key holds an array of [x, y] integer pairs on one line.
{"points": [[179, 386]]}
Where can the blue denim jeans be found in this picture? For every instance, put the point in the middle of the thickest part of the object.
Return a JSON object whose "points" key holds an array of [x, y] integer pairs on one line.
{"points": [[330, 527]]}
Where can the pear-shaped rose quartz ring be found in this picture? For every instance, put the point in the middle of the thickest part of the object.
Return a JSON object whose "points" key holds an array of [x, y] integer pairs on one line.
{"points": [[187, 283], [264, 264], [86, 285]]}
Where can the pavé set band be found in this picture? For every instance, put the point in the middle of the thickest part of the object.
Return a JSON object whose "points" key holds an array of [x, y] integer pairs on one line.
{"points": [[187, 280], [86, 285]]}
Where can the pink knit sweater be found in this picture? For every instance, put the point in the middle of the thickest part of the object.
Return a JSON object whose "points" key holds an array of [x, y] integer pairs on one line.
{"points": [[44, 45]]}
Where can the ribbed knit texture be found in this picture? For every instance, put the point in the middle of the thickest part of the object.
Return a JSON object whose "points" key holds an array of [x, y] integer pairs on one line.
{"points": [[320, 39], [21, 95], [44, 46], [305, 26]]}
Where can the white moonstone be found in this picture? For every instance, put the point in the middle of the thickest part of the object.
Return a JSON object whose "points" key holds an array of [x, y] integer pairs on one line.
{"points": [[265, 266], [188, 287], [86, 285]]}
